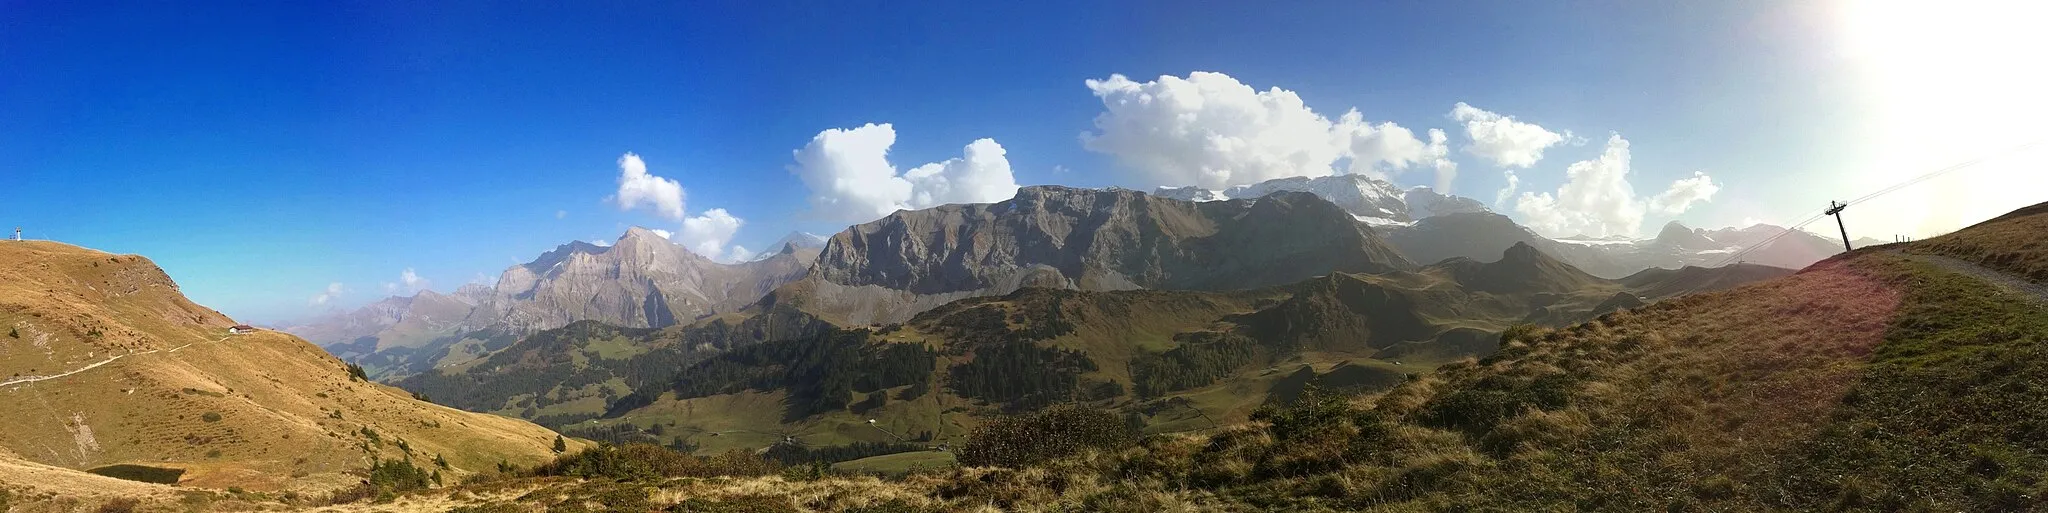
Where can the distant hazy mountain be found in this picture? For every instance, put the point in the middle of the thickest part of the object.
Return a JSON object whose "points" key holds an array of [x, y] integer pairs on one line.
{"points": [[1062, 237], [1427, 226], [1677, 245], [1424, 202], [794, 242], [641, 281]]}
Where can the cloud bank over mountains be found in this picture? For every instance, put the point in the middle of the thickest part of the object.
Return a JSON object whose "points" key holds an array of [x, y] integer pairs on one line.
{"points": [[852, 181], [705, 233], [637, 188], [1205, 129], [1212, 131], [1501, 139], [1598, 200]]}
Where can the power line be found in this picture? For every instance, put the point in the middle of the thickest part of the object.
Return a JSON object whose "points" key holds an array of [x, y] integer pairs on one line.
{"points": [[1960, 165], [1880, 192], [1767, 240]]}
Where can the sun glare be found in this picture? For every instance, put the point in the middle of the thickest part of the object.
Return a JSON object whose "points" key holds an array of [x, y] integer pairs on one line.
{"points": [[1945, 82]]}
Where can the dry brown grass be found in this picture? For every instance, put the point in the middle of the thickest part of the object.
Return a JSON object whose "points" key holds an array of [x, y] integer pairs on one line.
{"points": [[262, 412], [2012, 243]]}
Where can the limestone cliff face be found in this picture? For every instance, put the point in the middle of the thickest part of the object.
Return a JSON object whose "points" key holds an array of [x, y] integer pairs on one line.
{"points": [[1051, 236], [642, 281]]}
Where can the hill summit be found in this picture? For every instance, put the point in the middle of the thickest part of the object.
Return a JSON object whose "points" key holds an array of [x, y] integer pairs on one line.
{"points": [[108, 364], [1522, 269]]}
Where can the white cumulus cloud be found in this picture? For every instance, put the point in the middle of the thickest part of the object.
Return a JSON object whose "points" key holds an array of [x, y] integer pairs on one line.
{"points": [[1504, 140], [663, 233], [636, 188], [1684, 193], [851, 179], [408, 282], [412, 280], [740, 253], [708, 232], [1212, 131], [333, 291], [1500, 199], [1597, 199]]}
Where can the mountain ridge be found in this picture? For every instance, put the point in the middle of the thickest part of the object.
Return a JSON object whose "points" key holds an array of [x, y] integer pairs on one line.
{"points": [[1062, 237]]}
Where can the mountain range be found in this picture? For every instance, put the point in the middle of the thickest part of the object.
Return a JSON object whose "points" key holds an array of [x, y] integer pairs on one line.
{"points": [[641, 280], [888, 270]]}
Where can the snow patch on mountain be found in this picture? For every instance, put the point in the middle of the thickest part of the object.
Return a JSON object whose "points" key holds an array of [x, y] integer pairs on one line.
{"points": [[1371, 200]]}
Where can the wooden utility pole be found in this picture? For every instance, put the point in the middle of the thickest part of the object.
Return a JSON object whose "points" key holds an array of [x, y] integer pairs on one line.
{"points": [[1835, 209]]}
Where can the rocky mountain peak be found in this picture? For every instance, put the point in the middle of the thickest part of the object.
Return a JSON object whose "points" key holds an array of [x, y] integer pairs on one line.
{"points": [[1677, 235], [1522, 253], [1522, 269]]}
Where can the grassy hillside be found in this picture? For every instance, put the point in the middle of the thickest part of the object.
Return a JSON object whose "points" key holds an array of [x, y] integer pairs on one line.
{"points": [[107, 364], [2010, 243], [581, 371], [1169, 361]]}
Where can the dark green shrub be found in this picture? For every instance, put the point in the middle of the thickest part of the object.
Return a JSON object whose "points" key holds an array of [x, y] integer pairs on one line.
{"points": [[1020, 375], [892, 506], [119, 505], [649, 461], [210, 417], [793, 454], [740, 504], [394, 476], [1046, 434]]}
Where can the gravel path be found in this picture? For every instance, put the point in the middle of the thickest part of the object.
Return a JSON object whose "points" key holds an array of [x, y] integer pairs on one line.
{"points": [[32, 379], [2035, 291]]}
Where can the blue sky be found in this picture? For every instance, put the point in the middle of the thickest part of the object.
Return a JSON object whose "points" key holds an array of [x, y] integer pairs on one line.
{"points": [[262, 151]]}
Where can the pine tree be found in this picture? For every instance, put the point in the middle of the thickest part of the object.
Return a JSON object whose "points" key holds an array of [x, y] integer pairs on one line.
{"points": [[561, 446]]}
